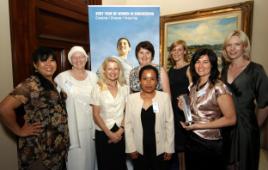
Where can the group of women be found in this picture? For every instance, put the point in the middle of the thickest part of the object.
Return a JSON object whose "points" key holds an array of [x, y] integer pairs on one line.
{"points": [[216, 104], [139, 111]]}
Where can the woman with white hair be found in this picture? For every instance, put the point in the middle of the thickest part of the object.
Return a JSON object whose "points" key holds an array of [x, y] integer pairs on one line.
{"points": [[78, 83]]}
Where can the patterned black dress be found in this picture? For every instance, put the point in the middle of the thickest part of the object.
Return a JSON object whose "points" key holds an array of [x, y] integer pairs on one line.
{"points": [[46, 106]]}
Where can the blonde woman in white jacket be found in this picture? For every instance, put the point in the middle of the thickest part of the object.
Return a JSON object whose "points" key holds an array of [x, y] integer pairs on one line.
{"points": [[149, 127]]}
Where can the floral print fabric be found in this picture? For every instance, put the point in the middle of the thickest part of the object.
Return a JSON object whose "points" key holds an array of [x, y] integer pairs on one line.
{"points": [[48, 107]]}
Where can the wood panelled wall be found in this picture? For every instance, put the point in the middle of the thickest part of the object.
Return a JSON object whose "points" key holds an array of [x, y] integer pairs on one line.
{"points": [[58, 24]]}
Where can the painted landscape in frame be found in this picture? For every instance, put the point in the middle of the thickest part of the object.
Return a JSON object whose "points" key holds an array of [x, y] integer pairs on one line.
{"points": [[203, 33], [204, 28]]}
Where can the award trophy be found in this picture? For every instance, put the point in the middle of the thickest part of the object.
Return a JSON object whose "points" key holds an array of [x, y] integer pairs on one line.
{"points": [[186, 109]]}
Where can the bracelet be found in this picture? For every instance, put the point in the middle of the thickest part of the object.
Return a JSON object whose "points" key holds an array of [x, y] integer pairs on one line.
{"points": [[122, 127]]}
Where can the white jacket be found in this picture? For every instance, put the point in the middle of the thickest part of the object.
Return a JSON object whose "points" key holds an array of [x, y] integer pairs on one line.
{"points": [[164, 123]]}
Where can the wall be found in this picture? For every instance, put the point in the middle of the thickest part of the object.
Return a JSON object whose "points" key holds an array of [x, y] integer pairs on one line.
{"points": [[8, 153], [260, 33]]}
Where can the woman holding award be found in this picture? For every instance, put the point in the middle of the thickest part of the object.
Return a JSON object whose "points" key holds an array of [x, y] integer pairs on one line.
{"points": [[212, 108]]}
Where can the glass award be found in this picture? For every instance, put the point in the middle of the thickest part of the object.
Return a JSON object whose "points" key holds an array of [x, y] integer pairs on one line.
{"points": [[186, 109]]}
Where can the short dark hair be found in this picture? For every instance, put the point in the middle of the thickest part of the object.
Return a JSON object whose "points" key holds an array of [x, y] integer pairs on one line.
{"points": [[42, 54], [146, 45], [123, 38], [213, 59], [148, 67]]}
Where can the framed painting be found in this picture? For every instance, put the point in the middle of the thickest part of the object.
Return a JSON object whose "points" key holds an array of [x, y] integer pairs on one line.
{"points": [[204, 28]]}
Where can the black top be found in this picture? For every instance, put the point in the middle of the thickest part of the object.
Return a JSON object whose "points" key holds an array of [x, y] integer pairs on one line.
{"points": [[250, 85], [148, 125], [179, 83]]}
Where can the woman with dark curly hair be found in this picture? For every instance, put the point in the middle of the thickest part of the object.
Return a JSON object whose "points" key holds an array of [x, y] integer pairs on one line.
{"points": [[212, 108]]}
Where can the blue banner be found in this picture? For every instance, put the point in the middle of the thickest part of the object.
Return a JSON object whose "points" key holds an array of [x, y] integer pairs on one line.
{"points": [[109, 23]]}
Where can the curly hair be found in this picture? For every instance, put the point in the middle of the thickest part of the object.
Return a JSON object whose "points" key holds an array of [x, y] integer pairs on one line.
{"points": [[103, 79], [42, 54], [213, 59]]}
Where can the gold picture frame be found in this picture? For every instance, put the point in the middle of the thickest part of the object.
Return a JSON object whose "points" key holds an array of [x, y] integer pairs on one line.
{"points": [[204, 27]]}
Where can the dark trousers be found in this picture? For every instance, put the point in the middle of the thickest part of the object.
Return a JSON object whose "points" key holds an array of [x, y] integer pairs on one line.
{"points": [[151, 162], [202, 154], [110, 156]]}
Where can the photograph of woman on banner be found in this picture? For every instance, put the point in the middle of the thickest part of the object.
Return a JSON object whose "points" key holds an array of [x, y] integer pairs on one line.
{"points": [[145, 54], [108, 100], [123, 48], [149, 124], [212, 108]]}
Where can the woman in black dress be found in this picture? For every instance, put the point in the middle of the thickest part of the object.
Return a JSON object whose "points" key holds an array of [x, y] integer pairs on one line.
{"points": [[248, 83], [179, 77]]}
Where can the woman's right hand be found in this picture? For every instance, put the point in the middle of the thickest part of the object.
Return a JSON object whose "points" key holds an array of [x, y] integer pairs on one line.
{"points": [[114, 137], [180, 102], [134, 155]]}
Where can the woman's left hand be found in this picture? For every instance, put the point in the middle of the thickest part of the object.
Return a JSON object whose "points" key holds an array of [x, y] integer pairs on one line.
{"points": [[180, 103], [167, 156], [118, 134], [189, 126]]}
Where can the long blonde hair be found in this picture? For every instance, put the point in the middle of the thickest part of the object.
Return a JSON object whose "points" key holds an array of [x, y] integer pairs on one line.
{"points": [[103, 79], [243, 39]]}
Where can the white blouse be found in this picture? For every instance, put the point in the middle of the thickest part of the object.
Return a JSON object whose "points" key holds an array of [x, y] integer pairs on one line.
{"points": [[112, 108]]}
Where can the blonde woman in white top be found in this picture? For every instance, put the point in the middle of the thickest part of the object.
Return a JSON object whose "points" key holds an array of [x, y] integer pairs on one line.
{"points": [[78, 83], [108, 100]]}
